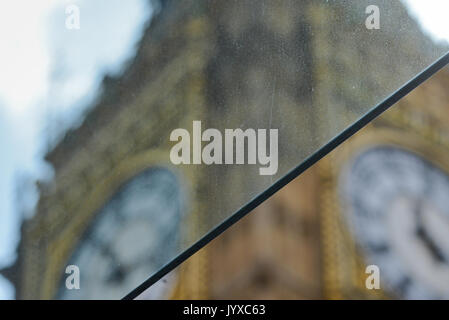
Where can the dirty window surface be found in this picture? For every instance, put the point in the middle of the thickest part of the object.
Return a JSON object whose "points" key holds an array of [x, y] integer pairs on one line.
{"points": [[178, 114]]}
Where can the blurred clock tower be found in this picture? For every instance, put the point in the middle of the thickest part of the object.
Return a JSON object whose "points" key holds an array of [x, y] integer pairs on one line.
{"points": [[196, 59]]}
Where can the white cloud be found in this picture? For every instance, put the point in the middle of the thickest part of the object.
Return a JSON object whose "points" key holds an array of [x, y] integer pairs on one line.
{"points": [[6, 289], [433, 16], [24, 57]]}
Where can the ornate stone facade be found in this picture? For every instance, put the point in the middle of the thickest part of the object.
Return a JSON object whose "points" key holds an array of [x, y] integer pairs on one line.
{"points": [[219, 62]]}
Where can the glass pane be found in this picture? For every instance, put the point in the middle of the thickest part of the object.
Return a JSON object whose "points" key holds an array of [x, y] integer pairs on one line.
{"points": [[227, 96], [370, 220]]}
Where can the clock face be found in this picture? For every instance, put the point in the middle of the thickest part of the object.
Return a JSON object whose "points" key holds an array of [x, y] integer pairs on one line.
{"points": [[398, 209], [134, 234]]}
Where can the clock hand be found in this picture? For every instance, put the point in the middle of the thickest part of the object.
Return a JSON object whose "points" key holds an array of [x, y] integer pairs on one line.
{"points": [[119, 271], [437, 225], [117, 275], [423, 235]]}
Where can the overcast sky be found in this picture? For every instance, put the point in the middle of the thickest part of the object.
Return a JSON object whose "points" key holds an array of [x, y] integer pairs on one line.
{"points": [[33, 36]]}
